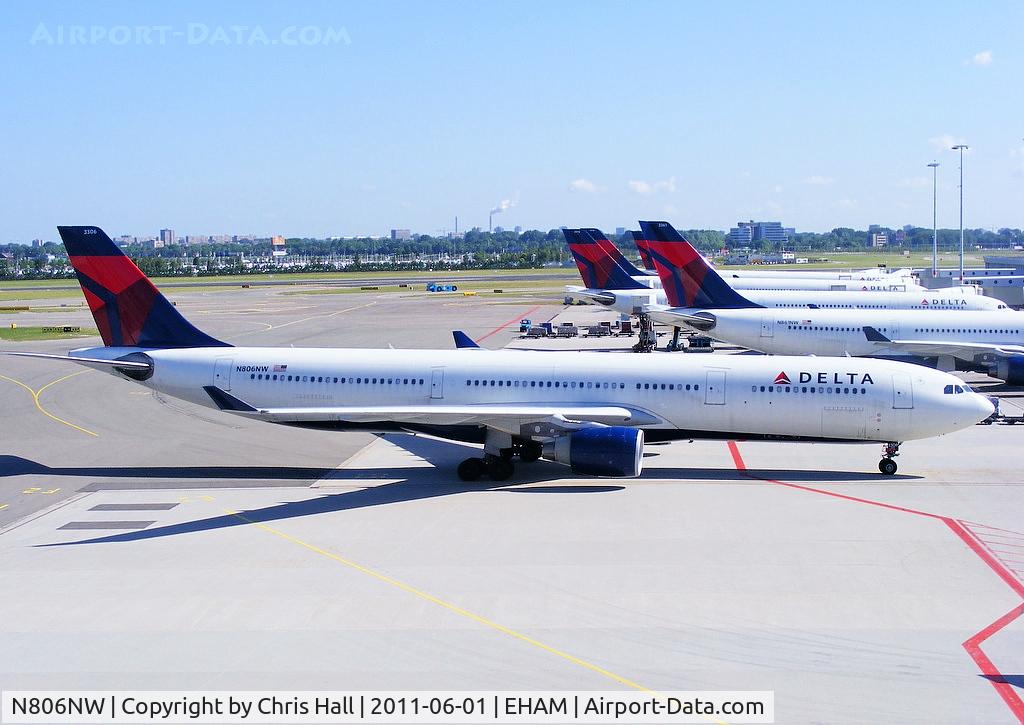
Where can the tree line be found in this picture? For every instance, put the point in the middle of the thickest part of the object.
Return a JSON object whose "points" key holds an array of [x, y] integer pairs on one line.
{"points": [[475, 250]]}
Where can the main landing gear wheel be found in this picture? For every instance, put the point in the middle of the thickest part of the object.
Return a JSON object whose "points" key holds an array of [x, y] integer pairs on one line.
{"points": [[500, 469], [471, 469]]}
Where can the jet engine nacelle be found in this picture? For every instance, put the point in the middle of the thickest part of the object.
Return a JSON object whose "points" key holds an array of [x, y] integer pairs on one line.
{"points": [[611, 451], [1010, 369]]}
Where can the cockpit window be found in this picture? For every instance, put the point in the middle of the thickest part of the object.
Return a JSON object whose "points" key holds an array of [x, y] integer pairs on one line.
{"points": [[948, 390], [959, 389]]}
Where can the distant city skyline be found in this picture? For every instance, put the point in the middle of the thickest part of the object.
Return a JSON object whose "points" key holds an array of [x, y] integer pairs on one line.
{"points": [[327, 119]]}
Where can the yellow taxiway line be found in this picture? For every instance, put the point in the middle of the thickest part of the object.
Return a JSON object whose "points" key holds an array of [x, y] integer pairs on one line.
{"points": [[35, 398]]}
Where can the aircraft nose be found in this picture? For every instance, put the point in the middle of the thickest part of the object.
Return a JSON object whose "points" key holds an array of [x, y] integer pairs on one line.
{"points": [[983, 405]]}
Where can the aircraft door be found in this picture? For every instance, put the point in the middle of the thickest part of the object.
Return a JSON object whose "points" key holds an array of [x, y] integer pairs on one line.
{"points": [[767, 325], [437, 383], [222, 373], [714, 388], [902, 391]]}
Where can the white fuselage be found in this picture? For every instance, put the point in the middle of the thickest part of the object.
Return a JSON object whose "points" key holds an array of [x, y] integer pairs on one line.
{"points": [[719, 396], [626, 301], [841, 332], [798, 281]]}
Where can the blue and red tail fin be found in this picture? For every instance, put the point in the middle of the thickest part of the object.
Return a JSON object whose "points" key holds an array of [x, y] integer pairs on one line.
{"points": [[598, 268], [687, 279], [643, 249], [129, 311], [609, 247]]}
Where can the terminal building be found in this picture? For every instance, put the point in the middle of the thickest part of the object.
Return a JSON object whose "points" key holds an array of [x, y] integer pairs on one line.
{"points": [[744, 234], [1002, 277]]}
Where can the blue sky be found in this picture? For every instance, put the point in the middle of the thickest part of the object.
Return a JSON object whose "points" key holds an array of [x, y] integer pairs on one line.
{"points": [[590, 113]]}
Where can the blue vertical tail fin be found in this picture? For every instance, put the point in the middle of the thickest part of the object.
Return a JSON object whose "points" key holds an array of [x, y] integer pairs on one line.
{"points": [[129, 311], [688, 280], [598, 269]]}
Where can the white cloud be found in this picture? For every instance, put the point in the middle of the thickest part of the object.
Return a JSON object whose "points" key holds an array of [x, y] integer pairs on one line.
{"points": [[504, 205], [982, 59], [584, 185], [946, 141], [817, 180], [777, 189], [847, 203], [670, 210], [652, 187]]}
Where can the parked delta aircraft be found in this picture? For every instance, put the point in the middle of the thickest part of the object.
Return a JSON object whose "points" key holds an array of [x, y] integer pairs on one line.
{"points": [[624, 293], [989, 341], [900, 276], [590, 411], [781, 280]]}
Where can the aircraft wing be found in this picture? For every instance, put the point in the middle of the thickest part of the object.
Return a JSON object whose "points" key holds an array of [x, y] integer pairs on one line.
{"points": [[498, 415], [589, 295], [681, 316], [928, 348]]}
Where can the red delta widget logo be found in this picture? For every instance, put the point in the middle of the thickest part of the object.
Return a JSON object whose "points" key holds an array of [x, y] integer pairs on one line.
{"points": [[827, 378]]}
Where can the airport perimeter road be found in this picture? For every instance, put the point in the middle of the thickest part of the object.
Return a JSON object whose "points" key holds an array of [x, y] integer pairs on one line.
{"points": [[186, 550]]}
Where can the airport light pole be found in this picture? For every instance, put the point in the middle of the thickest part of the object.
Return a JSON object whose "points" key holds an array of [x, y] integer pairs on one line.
{"points": [[934, 165], [961, 147]]}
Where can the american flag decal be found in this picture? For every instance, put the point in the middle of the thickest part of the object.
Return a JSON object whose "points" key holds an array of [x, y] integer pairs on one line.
{"points": [[280, 368]]}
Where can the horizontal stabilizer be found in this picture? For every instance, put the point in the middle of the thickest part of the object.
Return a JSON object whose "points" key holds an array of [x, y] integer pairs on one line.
{"points": [[89, 361]]}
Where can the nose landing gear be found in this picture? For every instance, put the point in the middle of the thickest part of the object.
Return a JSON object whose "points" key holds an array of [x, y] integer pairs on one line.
{"points": [[887, 466]]}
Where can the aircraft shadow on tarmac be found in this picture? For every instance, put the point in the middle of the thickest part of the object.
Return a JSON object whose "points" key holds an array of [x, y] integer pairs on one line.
{"points": [[17, 466], [414, 483], [400, 484]]}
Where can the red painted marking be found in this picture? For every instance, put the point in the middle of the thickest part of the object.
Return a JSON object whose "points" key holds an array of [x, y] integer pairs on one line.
{"points": [[501, 327], [737, 459], [973, 647], [962, 530], [985, 555], [740, 465]]}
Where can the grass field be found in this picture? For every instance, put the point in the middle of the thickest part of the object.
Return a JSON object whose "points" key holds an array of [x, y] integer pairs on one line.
{"points": [[27, 334]]}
